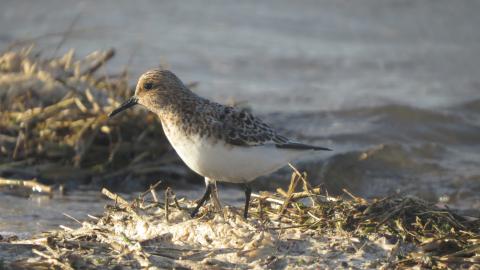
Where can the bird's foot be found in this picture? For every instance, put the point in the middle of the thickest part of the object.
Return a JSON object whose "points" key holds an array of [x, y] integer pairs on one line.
{"points": [[216, 202], [194, 212]]}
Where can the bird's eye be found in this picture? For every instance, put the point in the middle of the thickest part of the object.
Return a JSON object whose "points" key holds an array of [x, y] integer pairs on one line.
{"points": [[148, 86]]}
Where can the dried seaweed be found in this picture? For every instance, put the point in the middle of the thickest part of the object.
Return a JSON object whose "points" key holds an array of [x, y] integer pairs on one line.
{"points": [[53, 123], [150, 233]]}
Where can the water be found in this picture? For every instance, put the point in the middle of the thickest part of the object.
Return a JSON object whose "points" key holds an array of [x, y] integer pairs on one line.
{"points": [[392, 86], [24, 217], [27, 216]]}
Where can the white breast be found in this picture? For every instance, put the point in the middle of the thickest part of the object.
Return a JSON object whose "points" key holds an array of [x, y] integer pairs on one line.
{"points": [[227, 163]]}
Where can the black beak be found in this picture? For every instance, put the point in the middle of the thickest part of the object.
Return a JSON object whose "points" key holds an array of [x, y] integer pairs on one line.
{"points": [[127, 104]]}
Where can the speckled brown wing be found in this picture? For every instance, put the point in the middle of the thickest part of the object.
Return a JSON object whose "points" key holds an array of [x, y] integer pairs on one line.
{"points": [[239, 127], [243, 129]]}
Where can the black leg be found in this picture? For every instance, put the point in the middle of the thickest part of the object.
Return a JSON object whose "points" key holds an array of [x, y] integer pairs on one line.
{"points": [[205, 197], [248, 192]]}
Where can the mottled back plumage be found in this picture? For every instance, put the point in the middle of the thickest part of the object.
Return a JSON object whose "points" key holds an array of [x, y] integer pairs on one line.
{"points": [[196, 115], [243, 129]]}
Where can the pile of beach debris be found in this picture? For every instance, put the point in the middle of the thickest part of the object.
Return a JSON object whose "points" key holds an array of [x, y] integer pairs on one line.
{"points": [[299, 228], [54, 125]]}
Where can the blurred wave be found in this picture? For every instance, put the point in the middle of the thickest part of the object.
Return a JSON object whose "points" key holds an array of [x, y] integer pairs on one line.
{"points": [[389, 149]]}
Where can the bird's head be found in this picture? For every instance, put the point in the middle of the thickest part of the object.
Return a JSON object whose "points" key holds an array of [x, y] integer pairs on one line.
{"points": [[156, 89]]}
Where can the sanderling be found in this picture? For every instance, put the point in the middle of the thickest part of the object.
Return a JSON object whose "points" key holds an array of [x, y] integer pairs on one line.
{"points": [[221, 143]]}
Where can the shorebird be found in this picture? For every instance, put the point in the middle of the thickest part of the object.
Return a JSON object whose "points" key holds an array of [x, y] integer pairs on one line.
{"points": [[221, 143]]}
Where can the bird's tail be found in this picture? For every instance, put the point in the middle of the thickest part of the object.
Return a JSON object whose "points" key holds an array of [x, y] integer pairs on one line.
{"points": [[301, 146]]}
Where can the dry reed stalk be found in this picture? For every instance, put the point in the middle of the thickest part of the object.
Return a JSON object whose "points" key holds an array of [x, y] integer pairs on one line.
{"points": [[33, 185]]}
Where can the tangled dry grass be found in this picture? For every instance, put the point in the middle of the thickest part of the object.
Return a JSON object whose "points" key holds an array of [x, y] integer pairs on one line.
{"points": [[53, 123], [290, 229]]}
